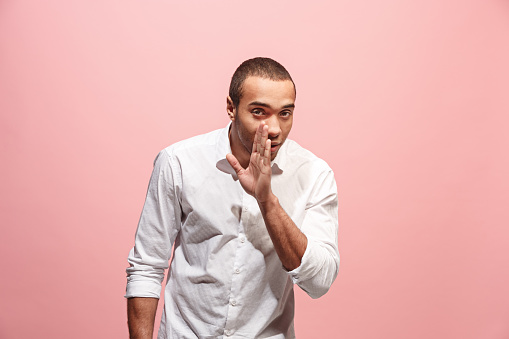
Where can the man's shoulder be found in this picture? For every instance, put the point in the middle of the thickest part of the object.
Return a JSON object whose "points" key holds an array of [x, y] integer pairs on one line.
{"points": [[300, 156], [195, 143]]}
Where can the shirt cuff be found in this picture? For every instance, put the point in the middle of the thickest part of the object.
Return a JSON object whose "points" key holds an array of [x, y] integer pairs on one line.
{"points": [[143, 289], [297, 274]]}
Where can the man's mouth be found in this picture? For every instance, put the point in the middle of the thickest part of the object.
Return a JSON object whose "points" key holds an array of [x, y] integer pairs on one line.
{"points": [[274, 147]]}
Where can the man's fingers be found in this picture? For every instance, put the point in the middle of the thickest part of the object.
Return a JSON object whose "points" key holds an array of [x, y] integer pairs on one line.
{"points": [[266, 154], [263, 139], [234, 163], [256, 140], [259, 132]]}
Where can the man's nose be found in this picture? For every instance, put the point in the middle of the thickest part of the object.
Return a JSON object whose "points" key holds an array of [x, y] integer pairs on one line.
{"points": [[274, 127]]}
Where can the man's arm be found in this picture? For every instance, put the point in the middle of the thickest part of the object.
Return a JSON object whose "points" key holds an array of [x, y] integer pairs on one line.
{"points": [[141, 314], [313, 259], [289, 242], [310, 255], [158, 227]]}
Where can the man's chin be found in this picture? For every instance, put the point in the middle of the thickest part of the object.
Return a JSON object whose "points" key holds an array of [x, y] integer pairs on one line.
{"points": [[273, 155]]}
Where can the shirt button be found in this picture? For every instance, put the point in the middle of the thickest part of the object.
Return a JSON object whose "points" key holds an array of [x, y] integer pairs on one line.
{"points": [[228, 332], [245, 209], [237, 271], [242, 239], [233, 303]]}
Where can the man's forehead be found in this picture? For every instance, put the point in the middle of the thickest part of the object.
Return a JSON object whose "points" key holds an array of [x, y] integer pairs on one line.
{"points": [[265, 90], [258, 81]]}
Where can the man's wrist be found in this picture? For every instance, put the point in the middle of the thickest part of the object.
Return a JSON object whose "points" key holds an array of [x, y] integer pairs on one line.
{"points": [[268, 203]]}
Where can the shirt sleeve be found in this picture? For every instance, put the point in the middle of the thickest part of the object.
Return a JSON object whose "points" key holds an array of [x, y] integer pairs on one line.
{"points": [[320, 262], [158, 227]]}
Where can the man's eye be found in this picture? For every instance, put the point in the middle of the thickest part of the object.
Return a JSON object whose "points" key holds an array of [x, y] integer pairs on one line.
{"points": [[257, 112], [285, 114]]}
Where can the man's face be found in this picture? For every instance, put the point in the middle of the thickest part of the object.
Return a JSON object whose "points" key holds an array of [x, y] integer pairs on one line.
{"points": [[262, 100]]}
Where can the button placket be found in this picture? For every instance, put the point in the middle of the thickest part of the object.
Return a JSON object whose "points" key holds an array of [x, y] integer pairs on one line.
{"points": [[235, 292]]}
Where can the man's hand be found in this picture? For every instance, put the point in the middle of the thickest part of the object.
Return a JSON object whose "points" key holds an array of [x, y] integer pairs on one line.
{"points": [[255, 179], [289, 242]]}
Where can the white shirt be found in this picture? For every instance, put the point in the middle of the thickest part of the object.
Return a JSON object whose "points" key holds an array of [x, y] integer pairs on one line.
{"points": [[225, 277]]}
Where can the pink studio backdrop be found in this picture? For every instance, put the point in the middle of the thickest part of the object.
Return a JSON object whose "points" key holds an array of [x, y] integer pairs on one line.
{"points": [[406, 100]]}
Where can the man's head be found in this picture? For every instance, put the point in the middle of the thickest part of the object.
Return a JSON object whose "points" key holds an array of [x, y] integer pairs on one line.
{"points": [[258, 67], [261, 90]]}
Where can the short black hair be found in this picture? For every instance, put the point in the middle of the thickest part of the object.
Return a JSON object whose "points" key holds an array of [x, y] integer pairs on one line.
{"points": [[260, 67]]}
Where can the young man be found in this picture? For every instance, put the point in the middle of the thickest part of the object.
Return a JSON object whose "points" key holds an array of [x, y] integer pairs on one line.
{"points": [[249, 213]]}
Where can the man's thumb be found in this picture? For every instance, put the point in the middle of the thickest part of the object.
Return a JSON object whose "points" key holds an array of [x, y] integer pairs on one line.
{"points": [[234, 163]]}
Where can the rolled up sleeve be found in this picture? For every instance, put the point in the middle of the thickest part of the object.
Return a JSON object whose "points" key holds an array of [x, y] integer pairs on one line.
{"points": [[320, 263], [157, 229]]}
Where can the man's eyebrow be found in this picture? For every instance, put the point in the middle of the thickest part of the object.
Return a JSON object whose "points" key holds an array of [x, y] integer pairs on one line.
{"points": [[258, 103]]}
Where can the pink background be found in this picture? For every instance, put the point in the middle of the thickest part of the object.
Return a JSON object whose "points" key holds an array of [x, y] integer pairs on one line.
{"points": [[408, 101]]}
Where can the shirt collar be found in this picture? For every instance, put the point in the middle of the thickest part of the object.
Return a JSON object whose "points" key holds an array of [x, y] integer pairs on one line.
{"points": [[224, 148]]}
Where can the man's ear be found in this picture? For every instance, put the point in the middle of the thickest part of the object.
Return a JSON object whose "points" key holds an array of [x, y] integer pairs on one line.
{"points": [[230, 108]]}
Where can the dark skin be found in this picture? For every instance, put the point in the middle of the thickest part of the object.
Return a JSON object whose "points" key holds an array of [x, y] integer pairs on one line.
{"points": [[289, 242], [141, 314], [261, 123]]}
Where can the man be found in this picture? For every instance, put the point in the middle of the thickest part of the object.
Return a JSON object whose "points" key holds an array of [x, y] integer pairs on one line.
{"points": [[249, 213]]}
